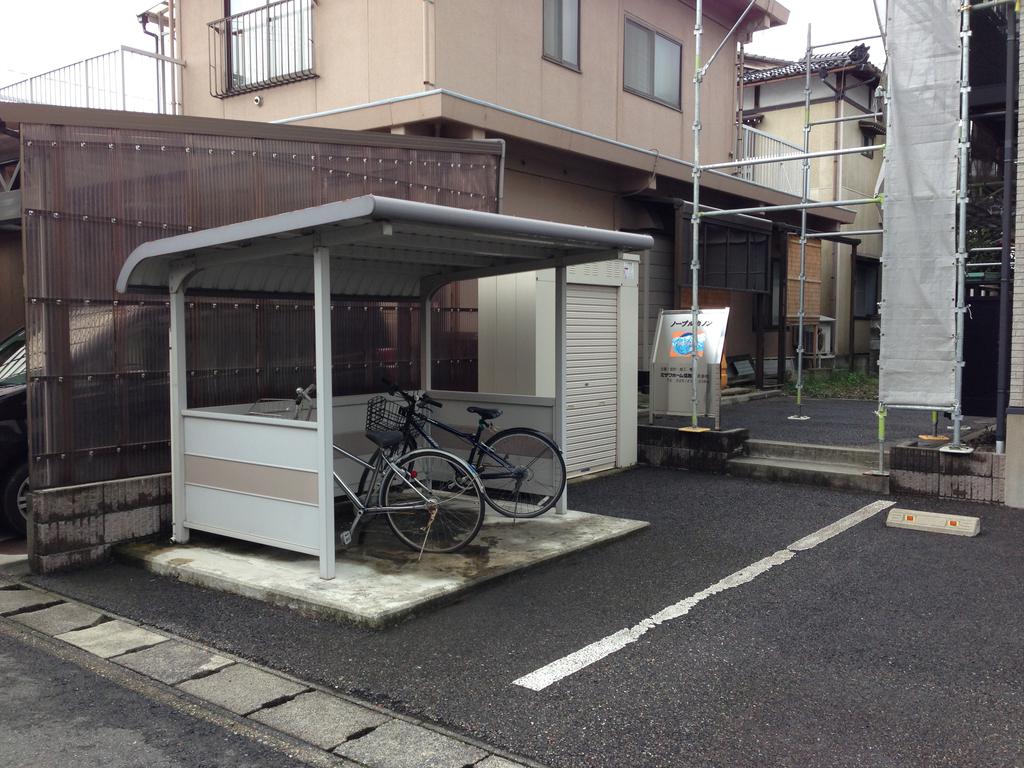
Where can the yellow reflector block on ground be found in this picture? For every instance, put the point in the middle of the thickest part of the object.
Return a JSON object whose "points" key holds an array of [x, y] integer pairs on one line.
{"points": [[958, 525]]}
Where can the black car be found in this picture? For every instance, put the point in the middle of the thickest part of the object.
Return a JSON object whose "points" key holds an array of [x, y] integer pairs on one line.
{"points": [[13, 432]]}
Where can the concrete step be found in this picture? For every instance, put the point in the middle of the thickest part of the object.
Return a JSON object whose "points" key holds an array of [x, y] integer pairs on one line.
{"points": [[748, 396], [830, 454], [824, 474]]}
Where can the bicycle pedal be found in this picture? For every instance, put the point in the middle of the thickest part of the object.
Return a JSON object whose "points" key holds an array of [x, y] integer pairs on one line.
{"points": [[346, 538]]}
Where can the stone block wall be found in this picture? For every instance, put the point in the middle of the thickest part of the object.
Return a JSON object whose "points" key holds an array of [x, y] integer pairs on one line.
{"points": [[78, 525], [707, 451], [978, 476]]}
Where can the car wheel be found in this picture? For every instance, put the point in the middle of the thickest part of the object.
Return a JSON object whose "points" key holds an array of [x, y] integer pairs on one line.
{"points": [[15, 499]]}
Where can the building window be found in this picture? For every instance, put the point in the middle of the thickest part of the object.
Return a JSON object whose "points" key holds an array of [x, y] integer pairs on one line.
{"points": [[652, 64], [260, 44], [865, 289], [562, 32]]}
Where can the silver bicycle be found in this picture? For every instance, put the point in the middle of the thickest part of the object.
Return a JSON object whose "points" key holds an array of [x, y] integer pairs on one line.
{"points": [[431, 499]]}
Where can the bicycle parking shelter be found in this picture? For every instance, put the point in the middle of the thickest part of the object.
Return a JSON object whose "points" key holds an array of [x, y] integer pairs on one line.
{"points": [[270, 480]]}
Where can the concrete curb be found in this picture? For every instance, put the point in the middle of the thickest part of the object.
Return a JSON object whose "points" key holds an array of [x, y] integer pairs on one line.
{"points": [[277, 688]]}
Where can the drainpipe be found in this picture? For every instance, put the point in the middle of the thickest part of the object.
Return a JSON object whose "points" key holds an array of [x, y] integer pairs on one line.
{"points": [[1002, 367], [172, 21], [739, 103], [428, 44], [158, 47]]}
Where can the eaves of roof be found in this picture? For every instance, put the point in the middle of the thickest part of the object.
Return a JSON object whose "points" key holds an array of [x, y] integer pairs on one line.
{"points": [[497, 120]]}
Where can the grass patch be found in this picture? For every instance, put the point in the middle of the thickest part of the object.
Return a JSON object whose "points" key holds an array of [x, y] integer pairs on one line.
{"points": [[841, 385]]}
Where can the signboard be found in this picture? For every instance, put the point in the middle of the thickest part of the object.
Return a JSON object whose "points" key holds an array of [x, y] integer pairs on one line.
{"points": [[675, 344]]}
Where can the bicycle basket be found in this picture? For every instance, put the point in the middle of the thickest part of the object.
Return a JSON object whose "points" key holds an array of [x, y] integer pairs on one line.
{"points": [[384, 415]]}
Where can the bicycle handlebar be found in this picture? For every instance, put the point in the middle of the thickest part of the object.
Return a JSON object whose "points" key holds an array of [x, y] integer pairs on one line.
{"points": [[305, 394], [424, 399]]}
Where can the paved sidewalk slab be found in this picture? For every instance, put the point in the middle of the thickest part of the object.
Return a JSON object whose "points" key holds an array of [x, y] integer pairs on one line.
{"points": [[320, 719], [241, 688], [382, 581], [58, 619], [112, 638], [15, 600], [399, 744], [497, 762], [174, 662]]}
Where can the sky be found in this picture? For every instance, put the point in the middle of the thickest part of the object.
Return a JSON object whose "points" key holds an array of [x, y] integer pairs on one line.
{"points": [[40, 35], [830, 20], [51, 33]]}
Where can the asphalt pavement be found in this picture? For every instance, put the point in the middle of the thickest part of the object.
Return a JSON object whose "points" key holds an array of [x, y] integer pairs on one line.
{"points": [[848, 423], [56, 713], [879, 647]]}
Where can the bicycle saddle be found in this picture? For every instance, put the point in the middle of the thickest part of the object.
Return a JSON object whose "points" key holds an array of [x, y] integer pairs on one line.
{"points": [[384, 439], [487, 414]]}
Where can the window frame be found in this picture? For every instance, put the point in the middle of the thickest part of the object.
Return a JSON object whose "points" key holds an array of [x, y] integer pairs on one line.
{"points": [[575, 67], [627, 19], [876, 266]]}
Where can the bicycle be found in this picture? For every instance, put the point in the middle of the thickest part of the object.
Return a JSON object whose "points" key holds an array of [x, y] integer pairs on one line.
{"points": [[521, 470], [431, 498]]}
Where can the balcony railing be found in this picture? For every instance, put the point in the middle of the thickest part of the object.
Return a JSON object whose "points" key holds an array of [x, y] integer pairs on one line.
{"points": [[125, 79], [267, 46], [785, 175]]}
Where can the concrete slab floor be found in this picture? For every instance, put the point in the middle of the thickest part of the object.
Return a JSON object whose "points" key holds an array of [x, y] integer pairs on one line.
{"points": [[112, 638], [65, 617], [174, 662], [242, 689], [323, 720], [381, 581], [14, 601], [403, 745]]}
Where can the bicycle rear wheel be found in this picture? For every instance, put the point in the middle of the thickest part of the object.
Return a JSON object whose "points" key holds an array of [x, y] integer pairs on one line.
{"points": [[391, 453], [444, 500], [522, 472]]}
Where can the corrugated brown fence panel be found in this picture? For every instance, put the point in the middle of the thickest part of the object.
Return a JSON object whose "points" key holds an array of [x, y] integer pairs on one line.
{"points": [[98, 406], [812, 284]]}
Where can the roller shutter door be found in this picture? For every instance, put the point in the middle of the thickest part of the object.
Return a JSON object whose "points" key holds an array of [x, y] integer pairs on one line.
{"points": [[592, 377]]}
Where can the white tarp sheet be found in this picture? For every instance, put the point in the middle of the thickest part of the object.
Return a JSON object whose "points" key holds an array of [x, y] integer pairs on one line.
{"points": [[917, 355]]}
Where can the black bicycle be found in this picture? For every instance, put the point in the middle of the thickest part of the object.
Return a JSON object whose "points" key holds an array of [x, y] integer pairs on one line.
{"points": [[431, 498], [521, 470]]}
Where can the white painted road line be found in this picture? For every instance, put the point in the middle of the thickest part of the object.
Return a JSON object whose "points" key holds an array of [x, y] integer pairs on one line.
{"points": [[843, 524], [551, 673]]}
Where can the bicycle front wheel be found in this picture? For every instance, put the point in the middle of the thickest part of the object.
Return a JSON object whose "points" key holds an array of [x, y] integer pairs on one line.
{"points": [[522, 472], [441, 505]]}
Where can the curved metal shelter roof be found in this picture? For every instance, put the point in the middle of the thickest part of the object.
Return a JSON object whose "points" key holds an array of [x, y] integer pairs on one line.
{"points": [[379, 247]]}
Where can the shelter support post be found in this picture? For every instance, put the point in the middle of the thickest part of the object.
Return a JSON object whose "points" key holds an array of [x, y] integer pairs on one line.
{"points": [[426, 352], [560, 436], [179, 402], [325, 410]]}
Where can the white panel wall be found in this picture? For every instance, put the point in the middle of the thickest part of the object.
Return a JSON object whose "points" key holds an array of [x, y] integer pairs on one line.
{"points": [[257, 441]]}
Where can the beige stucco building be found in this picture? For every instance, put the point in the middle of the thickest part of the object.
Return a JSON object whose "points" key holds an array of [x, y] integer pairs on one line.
{"points": [[843, 87], [593, 101]]}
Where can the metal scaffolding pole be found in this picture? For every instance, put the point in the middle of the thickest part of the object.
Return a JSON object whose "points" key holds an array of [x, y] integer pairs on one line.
{"points": [[698, 77], [1005, 279], [805, 194], [791, 207], [963, 191]]}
